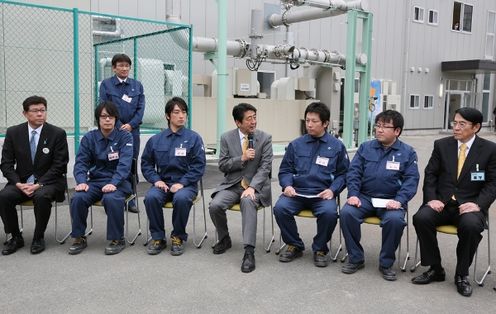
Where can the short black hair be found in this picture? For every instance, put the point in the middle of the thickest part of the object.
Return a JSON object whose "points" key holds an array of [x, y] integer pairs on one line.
{"points": [[33, 100], [321, 109], [472, 115], [239, 110], [120, 57], [169, 106], [392, 116], [111, 109]]}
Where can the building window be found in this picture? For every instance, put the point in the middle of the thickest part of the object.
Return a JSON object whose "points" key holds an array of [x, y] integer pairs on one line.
{"points": [[428, 102], [414, 101], [462, 17], [433, 17], [490, 35], [418, 14]]}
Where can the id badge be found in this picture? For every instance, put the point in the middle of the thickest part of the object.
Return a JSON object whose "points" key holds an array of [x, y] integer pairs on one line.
{"points": [[113, 156], [478, 176], [392, 165], [126, 98], [180, 151], [323, 161]]}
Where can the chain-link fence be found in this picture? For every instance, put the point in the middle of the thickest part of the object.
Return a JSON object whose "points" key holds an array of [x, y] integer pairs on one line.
{"points": [[63, 54]]}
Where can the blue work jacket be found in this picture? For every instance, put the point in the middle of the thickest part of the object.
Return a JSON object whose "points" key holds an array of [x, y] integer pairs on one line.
{"points": [[311, 165], [106, 160], [174, 158], [390, 173], [130, 111]]}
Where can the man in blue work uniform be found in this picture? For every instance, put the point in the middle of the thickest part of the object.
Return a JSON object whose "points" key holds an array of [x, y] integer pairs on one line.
{"points": [[173, 161], [312, 174], [101, 171], [129, 97], [386, 169]]}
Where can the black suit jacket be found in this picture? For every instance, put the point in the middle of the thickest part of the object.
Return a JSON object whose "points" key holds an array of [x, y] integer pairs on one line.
{"points": [[50, 163], [440, 182]]}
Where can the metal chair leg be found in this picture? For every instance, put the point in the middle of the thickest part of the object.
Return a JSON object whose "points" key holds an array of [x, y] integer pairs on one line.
{"points": [[272, 239], [138, 233], [64, 238], [205, 234]]}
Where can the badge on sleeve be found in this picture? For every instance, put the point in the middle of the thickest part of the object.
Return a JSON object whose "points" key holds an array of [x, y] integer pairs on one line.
{"points": [[323, 161], [126, 98]]}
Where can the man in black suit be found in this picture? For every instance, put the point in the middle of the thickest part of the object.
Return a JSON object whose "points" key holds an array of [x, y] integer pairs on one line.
{"points": [[34, 161], [459, 187]]}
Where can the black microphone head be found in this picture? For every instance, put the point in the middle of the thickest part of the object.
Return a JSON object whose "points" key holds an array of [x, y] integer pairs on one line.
{"points": [[250, 140]]}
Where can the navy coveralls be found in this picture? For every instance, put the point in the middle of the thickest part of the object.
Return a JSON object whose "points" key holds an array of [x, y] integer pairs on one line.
{"points": [[173, 158], [129, 98], [299, 169], [94, 168], [369, 176]]}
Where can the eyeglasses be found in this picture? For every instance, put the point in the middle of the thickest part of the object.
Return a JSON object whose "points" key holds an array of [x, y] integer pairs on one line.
{"points": [[106, 116], [460, 124], [37, 110], [383, 127]]}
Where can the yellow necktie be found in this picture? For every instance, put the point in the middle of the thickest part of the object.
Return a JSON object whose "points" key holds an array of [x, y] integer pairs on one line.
{"points": [[244, 147], [461, 158]]}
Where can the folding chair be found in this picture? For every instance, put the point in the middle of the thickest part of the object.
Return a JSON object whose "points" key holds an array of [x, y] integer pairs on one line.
{"points": [[453, 230], [132, 196], [307, 213], [374, 220], [237, 208], [170, 206], [58, 199]]}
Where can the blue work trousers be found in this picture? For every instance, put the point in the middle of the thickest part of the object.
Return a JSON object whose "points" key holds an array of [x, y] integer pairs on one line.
{"points": [[113, 202], [392, 224], [325, 211], [182, 201]]}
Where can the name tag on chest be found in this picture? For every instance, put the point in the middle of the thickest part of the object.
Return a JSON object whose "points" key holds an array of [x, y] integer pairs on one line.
{"points": [[126, 98], [322, 161], [478, 176], [113, 156], [180, 151], [392, 165]]}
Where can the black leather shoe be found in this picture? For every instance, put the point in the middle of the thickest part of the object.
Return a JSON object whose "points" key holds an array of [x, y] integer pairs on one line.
{"points": [[321, 258], [223, 245], [248, 263], [78, 246], [14, 243], [115, 247], [387, 273], [37, 246], [290, 254], [351, 268], [133, 209], [429, 276], [463, 285]]}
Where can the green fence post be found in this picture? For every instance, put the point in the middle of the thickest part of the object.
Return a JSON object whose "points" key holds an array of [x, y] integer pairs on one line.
{"points": [[75, 21], [190, 74]]}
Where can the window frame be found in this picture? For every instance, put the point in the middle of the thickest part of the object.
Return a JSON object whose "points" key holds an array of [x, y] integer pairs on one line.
{"points": [[436, 23], [431, 97], [461, 18], [417, 98], [420, 10]]}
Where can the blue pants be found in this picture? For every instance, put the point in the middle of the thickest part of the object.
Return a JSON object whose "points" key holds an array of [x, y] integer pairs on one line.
{"points": [[182, 201], [113, 202], [325, 211], [392, 224]]}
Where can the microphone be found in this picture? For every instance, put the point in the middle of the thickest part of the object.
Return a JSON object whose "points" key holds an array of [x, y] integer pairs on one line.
{"points": [[250, 140]]}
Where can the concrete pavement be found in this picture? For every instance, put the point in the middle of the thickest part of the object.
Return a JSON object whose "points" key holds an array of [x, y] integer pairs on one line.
{"points": [[200, 282]]}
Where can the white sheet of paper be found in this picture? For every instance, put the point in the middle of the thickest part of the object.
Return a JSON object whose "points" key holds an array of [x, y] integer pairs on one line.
{"points": [[307, 196], [380, 202]]}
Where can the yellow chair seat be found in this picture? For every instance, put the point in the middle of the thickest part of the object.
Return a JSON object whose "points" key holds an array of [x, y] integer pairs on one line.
{"points": [[169, 204], [372, 220], [449, 229], [27, 203], [306, 213]]}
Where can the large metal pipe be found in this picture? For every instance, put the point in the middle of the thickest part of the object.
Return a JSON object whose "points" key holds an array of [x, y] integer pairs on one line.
{"points": [[295, 15]]}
